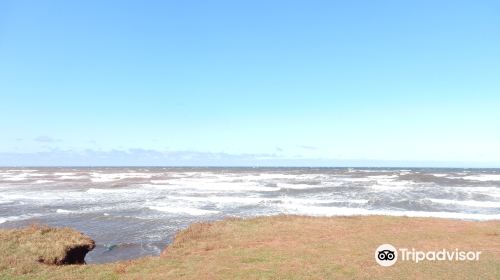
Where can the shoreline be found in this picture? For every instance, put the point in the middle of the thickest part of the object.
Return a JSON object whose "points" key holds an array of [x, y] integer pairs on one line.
{"points": [[294, 247]]}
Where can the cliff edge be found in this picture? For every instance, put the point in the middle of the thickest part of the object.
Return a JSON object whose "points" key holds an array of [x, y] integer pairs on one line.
{"points": [[42, 244]]}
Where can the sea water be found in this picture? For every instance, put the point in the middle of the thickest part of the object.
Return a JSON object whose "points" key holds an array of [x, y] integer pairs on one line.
{"points": [[132, 212]]}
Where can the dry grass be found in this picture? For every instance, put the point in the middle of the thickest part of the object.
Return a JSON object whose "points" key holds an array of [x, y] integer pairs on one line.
{"points": [[293, 247]]}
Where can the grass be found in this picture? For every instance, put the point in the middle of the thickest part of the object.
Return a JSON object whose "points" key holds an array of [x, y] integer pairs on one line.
{"points": [[297, 247], [22, 250]]}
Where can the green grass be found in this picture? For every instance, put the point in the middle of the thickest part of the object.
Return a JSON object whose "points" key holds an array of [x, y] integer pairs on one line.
{"points": [[296, 247]]}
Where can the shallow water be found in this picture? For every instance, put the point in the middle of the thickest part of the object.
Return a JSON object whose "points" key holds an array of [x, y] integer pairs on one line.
{"points": [[132, 212]]}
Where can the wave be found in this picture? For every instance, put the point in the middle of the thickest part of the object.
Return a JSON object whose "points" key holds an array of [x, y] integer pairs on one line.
{"points": [[159, 181], [346, 211], [258, 200], [114, 191], [224, 199], [214, 185], [301, 186], [15, 178], [483, 177], [64, 173], [183, 210], [110, 177], [73, 177], [322, 201], [63, 211], [472, 203], [42, 196], [17, 218], [43, 181]]}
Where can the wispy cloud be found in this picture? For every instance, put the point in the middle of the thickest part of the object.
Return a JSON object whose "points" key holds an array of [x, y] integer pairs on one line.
{"points": [[46, 139], [306, 147]]}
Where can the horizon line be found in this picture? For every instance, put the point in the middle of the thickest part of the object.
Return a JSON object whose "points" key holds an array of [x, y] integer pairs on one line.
{"points": [[238, 166]]}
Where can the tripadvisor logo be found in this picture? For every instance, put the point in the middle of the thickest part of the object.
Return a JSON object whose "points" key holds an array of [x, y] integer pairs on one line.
{"points": [[387, 255]]}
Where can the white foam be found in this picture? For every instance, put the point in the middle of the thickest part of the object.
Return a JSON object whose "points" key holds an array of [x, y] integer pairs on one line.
{"points": [[488, 191], [110, 177], [72, 177], [264, 177], [383, 176], [385, 185], [15, 196], [216, 185], [439, 175], [472, 203], [360, 179], [483, 177], [39, 196], [485, 190], [299, 186], [225, 199], [345, 211], [64, 174], [183, 210], [268, 176], [37, 174], [257, 200], [18, 177], [43, 181], [114, 191], [17, 218], [159, 181], [308, 201], [25, 175], [63, 211]]}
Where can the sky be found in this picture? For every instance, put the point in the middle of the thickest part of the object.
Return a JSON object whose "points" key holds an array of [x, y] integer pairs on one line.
{"points": [[313, 83]]}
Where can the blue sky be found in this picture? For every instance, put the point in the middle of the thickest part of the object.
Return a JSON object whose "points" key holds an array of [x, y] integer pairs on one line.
{"points": [[250, 82]]}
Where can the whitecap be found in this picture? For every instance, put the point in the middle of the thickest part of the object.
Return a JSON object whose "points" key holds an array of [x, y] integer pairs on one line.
{"points": [[183, 210], [215, 185], [346, 211], [110, 177], [159, 181], [383, 176], [63, 211], [17, 218], [43, 181], [224, 199], [64, 173], [111, 191], [483, 177], [19, 177], [298, 186], [72, 177], [472, 203], [306, 201]]}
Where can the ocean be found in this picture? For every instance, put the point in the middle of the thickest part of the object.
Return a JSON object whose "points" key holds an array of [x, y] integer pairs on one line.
{"points": [[133, 212]]}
